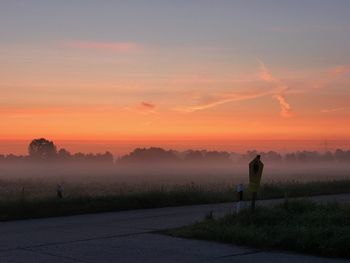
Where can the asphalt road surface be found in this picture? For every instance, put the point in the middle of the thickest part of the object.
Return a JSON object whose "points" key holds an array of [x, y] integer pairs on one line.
{"points": [[129, 236]]}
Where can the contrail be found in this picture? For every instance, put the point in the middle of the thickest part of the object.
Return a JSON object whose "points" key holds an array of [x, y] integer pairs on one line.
{"points": [[278, 94]]}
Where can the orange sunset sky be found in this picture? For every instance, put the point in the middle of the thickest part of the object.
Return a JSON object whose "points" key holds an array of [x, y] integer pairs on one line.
{"points": [[174, 70]]}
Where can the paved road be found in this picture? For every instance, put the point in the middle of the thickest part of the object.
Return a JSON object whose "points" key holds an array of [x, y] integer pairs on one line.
{"points": [[127, 237]]}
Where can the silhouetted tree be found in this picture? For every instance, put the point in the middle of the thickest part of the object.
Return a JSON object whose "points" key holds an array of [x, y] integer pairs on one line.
{"points": [[271, 156], [308, 156], [301, 156], [290, 158], [194, 156], [143, 155], [250, 155], [79, 157], [327, 157], [217, 157], [64, 155], [42, 149], [235, 157], [107, 157], [341, 155], [11, 157]]}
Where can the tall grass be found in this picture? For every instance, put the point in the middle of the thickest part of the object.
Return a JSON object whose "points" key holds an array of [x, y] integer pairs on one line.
{"points": [[300, 226], [46, 207], [296, 189], [24, 201]]}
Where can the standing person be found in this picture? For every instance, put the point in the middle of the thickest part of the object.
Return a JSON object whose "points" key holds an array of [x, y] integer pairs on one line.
{"points": [[239, 189], [60, 191]]}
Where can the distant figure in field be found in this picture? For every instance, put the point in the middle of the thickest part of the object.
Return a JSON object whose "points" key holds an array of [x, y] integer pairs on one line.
{"points": [[60, 191], [240, 189]]}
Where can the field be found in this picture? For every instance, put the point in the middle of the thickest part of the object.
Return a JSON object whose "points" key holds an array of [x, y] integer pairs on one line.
{"points": [[123, 197], [302, 226], [29, 182], [28, 191]]}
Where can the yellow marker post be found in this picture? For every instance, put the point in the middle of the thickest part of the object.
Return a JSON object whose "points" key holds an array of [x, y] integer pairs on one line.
{"points": [[255, 172]]}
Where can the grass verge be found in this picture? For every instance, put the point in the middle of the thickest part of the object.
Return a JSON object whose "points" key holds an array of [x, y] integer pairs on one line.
{"points": [[301, 226], [50, 207]]}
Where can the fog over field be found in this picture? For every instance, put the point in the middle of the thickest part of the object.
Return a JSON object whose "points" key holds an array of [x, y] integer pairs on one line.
{"points": [[45, 166], [146, 169]]}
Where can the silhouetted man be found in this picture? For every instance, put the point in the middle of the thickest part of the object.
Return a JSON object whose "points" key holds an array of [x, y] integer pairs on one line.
{"points": [[59, 191], [239, 189]]}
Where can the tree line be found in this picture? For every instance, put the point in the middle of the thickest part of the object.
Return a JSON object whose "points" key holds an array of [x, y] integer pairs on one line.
{"points": [[43, 150]]}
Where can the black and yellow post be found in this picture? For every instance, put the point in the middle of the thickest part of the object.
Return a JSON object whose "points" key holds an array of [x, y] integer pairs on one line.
{"points": [[255, 172]]}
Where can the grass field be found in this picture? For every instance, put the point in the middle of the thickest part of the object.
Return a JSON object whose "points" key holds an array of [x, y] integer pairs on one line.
{"points": [[27, 204], [302, 226]]}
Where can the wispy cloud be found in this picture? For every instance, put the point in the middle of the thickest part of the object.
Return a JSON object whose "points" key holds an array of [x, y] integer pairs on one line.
{"points": [[267, 76], [278, 93], [147, 105], [40, 111], [339, 70], [144, 108], [207, 101], [332, 75], [335, 109], [285, 107], [218, 99], [118, 47], [327, 77], [264, 73], [304, 29]]}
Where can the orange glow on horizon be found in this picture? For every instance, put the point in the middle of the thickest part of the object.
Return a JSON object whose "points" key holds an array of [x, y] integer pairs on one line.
{"points": [[112, 101]]}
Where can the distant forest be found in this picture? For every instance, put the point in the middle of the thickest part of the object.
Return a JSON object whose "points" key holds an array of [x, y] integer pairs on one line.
{"points": [[42, 150]]}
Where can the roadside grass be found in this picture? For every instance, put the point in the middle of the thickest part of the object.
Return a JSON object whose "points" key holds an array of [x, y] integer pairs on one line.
{"points": [[301, 226], [29, 205], [49, 207], [297, 189]]}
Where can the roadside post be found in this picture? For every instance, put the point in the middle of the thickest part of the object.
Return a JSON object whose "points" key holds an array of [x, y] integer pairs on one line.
{"points": [[255, 172], [239, 189]]}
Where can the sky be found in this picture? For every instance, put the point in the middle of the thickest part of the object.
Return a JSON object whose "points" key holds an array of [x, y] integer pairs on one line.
{"points": [[175, 70]]}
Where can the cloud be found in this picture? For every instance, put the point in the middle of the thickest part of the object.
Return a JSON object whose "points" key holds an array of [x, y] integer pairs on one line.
{"points": [[118, 47], [277, 90], [218, 99], [285, 107], [147, 105], [339, 70], [335, 109], [267, 76], [44, 110], [280, 89], [212, 100], [144, 108], [328, 76]]}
